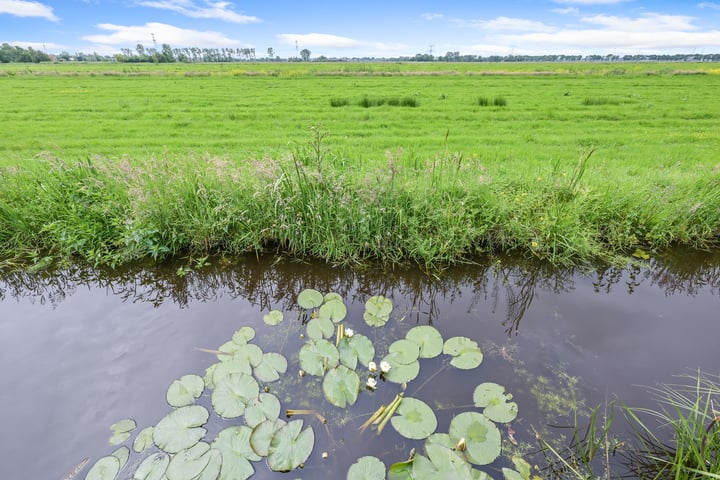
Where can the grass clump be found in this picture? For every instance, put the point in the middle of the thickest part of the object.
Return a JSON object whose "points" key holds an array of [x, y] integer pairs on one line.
{"points": [[498, 101], [339, 102], [594, 101]]}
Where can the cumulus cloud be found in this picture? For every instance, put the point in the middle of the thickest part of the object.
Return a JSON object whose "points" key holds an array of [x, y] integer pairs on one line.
{"points": [[511, 24], [566, 11], [43, 47], [710, 5], [21, 8], [123, 35], [205, 9]]}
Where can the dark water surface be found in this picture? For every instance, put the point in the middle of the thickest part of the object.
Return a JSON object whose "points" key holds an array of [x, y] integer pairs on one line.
{"points": [[83, 349]]}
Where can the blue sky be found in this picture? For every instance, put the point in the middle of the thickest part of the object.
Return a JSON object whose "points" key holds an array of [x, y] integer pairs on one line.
{"points": [[367, 28]]}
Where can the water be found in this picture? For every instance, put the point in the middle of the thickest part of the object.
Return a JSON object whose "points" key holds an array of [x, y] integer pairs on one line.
{"points": [[83, 349]]}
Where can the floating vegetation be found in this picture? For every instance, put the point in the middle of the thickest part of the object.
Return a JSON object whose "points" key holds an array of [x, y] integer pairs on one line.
{"points": [[237, 385]]}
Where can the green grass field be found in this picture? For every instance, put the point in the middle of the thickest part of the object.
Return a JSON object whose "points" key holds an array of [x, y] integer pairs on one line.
{"points": [[440, 161]]}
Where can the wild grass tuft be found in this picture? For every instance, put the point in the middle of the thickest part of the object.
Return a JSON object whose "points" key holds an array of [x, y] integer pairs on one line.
{"points": [[339, 102]]}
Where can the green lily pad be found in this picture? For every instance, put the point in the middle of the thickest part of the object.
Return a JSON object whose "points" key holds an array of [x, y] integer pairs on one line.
{"points": [[290, 447], [272, 366], [441, 463], [273, 318], [466, 352], [106, 468], [121, 431], [184, 391], [243, 335], [181, 428], [405, 351], [428, 338], [334, 310], [367, 468], [332, 296], [441, 439], [341, 386], [317, 356], [354, 349], [265, 407], [208, 377], [234, 445], [523, 470], [310, 298], [262, 435], [122, 454], [377, 311], [401, 470], [212, 470], [223, 369], [143, 440], [189, 463], [510, 474], [320, 328], [232, 395], [399, 372], [248, 351], [481, 435], [414, 419], [497, 404], [153, 467]]}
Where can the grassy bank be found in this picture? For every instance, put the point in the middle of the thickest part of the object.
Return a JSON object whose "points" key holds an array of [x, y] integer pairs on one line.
{"points": [[316, 203]]}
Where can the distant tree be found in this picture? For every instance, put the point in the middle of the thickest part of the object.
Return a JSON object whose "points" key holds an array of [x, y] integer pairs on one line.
{"points": [[270, 53], [305, 54]]}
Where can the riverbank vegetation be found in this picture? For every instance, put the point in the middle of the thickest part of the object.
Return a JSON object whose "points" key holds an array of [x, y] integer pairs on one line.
{"points": [[359, 162]]}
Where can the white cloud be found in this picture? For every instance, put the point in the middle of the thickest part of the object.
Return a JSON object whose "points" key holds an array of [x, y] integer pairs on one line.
{"points": [[125, 36], [711, 5], [207, 9], [511, 24], [43, 47], [649, 22], [324, 40], [590, 2], [566, 11], [432, 16], [21, 8]]}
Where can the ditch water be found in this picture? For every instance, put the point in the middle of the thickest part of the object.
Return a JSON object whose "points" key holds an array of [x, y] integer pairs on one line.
{"points": [[83, 349]]}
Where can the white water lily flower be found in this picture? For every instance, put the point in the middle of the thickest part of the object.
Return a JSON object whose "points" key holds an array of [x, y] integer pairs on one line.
{"points": [[385, 367], [349, 332], [372, 383], [372, 367]]}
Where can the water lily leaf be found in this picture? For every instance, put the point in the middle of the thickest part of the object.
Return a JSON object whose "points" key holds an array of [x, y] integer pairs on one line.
{"points": [[377, 311], [121, 431], [354, 349], [181, 428], [317, 356], [272, 366], [106, 468], [480, 475], [189, 463], [273, 318], [143, 440], [320, 328], [428, 338], [405, 351], [223, 369], [481, 435], [341, 386], [399, 372], [265, 407], [310, 298], [466, 352], [184, 391], [248, 351], [212, 470], [152, 468], [290, 447], [262, 435], [498, 405], [414, 419], [367, 468], [232, 395], [522, 467], [244, 335], [332, 296], [122, 454], [441, 463], [441, 439], [334, 310], [401, 470], [234, 445], [208, 377], [510, 474]]}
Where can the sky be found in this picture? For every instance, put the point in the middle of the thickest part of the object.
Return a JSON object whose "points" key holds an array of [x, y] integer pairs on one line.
{"points": [[367, 28]]}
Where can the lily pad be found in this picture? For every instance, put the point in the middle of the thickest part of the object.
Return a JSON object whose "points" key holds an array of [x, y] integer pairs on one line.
{"points": [[466, 352], [428, 338], [317, 356], [232, 395], [271, 367], [334, 310], [320, 328], [481, 435], [414, 419], [332, 296], [405, 351], [497, 404], [399, 372], [143, 440], [248, 351], [441, 463], [122, 454], [188, 464], [377, 311], [262, 435], [184, 391], [367, 468], [243, 335], [121, 431], [354, 349], [153, 467], [273, 318], [290, 447], [310, 298], [234, 445], [265, 407], [105, 468], [341, 386], [181, 428], [223, 369]]}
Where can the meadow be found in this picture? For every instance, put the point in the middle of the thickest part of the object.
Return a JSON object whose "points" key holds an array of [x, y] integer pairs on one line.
{"points": [[421, 163]]}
